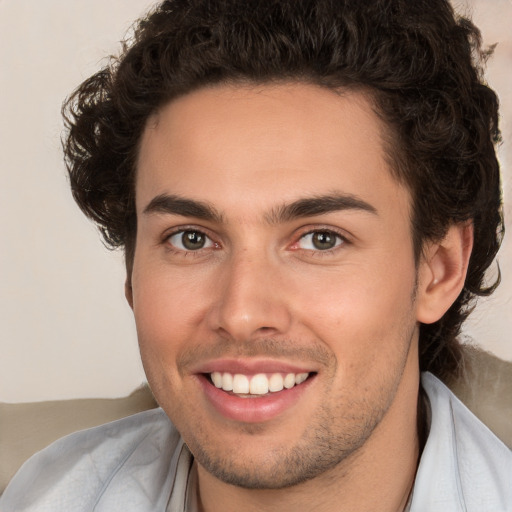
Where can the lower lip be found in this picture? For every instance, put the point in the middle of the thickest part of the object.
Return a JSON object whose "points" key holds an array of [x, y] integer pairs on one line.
{"points": [[252, 410]]}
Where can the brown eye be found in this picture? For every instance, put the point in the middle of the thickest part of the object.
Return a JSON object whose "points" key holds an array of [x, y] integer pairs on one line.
{"points": [[190, 240], [193, 240], [320, 240]]}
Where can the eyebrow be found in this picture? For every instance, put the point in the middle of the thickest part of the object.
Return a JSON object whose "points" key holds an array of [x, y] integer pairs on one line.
{"points": [[305, 207], [176, 205], [318, 205]]}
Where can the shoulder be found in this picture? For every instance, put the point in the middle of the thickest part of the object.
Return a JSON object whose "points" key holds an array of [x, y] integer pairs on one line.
{"points": [[464, 466], [123, 456]]}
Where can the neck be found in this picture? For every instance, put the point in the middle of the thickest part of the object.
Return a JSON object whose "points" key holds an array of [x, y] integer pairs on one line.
{"points": [[378, 476]]}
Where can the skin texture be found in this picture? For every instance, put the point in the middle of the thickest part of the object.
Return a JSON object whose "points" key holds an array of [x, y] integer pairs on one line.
{"points": [[258, 292]]}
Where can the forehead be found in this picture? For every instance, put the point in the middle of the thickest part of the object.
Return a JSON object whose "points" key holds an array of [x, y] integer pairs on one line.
{"points": [[250, 147]]}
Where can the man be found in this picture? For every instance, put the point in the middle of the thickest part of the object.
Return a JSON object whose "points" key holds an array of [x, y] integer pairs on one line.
{"points": [[308, 197]]}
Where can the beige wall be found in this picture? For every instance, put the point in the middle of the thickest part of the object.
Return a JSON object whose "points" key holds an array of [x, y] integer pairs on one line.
{"points": [[66, 330]]}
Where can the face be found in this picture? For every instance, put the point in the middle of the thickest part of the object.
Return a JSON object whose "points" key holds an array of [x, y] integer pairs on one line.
{"points": [[274, 280]]}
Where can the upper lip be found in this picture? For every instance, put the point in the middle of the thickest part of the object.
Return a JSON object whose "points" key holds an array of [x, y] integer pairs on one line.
{"points": [[251, 366]]}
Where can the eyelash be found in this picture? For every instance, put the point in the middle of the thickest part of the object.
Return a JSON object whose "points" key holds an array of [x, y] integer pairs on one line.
{"points": [[184, 252], [341, 241]]}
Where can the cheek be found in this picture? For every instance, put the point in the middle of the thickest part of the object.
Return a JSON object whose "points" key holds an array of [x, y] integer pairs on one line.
{"points": [[161, 331], [361, 309], [165, 301], [168, 309]]}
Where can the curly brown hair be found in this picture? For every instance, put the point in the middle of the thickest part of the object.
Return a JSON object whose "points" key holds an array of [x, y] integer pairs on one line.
{"points": [[421, 63]]}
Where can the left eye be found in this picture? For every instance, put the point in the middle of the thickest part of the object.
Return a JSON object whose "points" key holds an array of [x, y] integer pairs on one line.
{"points": [[190, 240], [320, 241]]}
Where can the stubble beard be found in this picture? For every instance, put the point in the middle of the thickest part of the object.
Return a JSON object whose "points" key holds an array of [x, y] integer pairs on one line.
{"points": [[323, 446], [320, 449]]}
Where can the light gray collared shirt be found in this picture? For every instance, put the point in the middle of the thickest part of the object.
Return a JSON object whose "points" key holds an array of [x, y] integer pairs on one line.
{"points": [[141, 464]]}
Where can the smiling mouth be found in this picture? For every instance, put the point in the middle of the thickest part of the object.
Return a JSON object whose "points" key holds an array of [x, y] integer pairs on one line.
{"points": [[260, 384]]}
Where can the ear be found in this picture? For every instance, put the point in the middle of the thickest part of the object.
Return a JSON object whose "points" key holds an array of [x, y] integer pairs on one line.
{"points": [[128, 291], [442, 272]]}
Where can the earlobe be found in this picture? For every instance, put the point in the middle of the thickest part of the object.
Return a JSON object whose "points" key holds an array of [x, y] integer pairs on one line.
{"points": [[128, 291], [442, 272]]}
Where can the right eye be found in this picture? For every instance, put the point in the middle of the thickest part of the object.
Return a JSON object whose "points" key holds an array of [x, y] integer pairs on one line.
{"points": [[190, 240], [321, 240]]}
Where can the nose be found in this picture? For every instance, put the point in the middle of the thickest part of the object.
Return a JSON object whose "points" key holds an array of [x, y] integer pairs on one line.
{"points": [[251, 299]]}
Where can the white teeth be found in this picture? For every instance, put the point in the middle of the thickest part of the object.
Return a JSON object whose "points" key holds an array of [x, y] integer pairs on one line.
{"points": [[217, 379], [275, 383], [240, 384], [301, 377], [227, 382], [258, 384], [289, 381]]}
